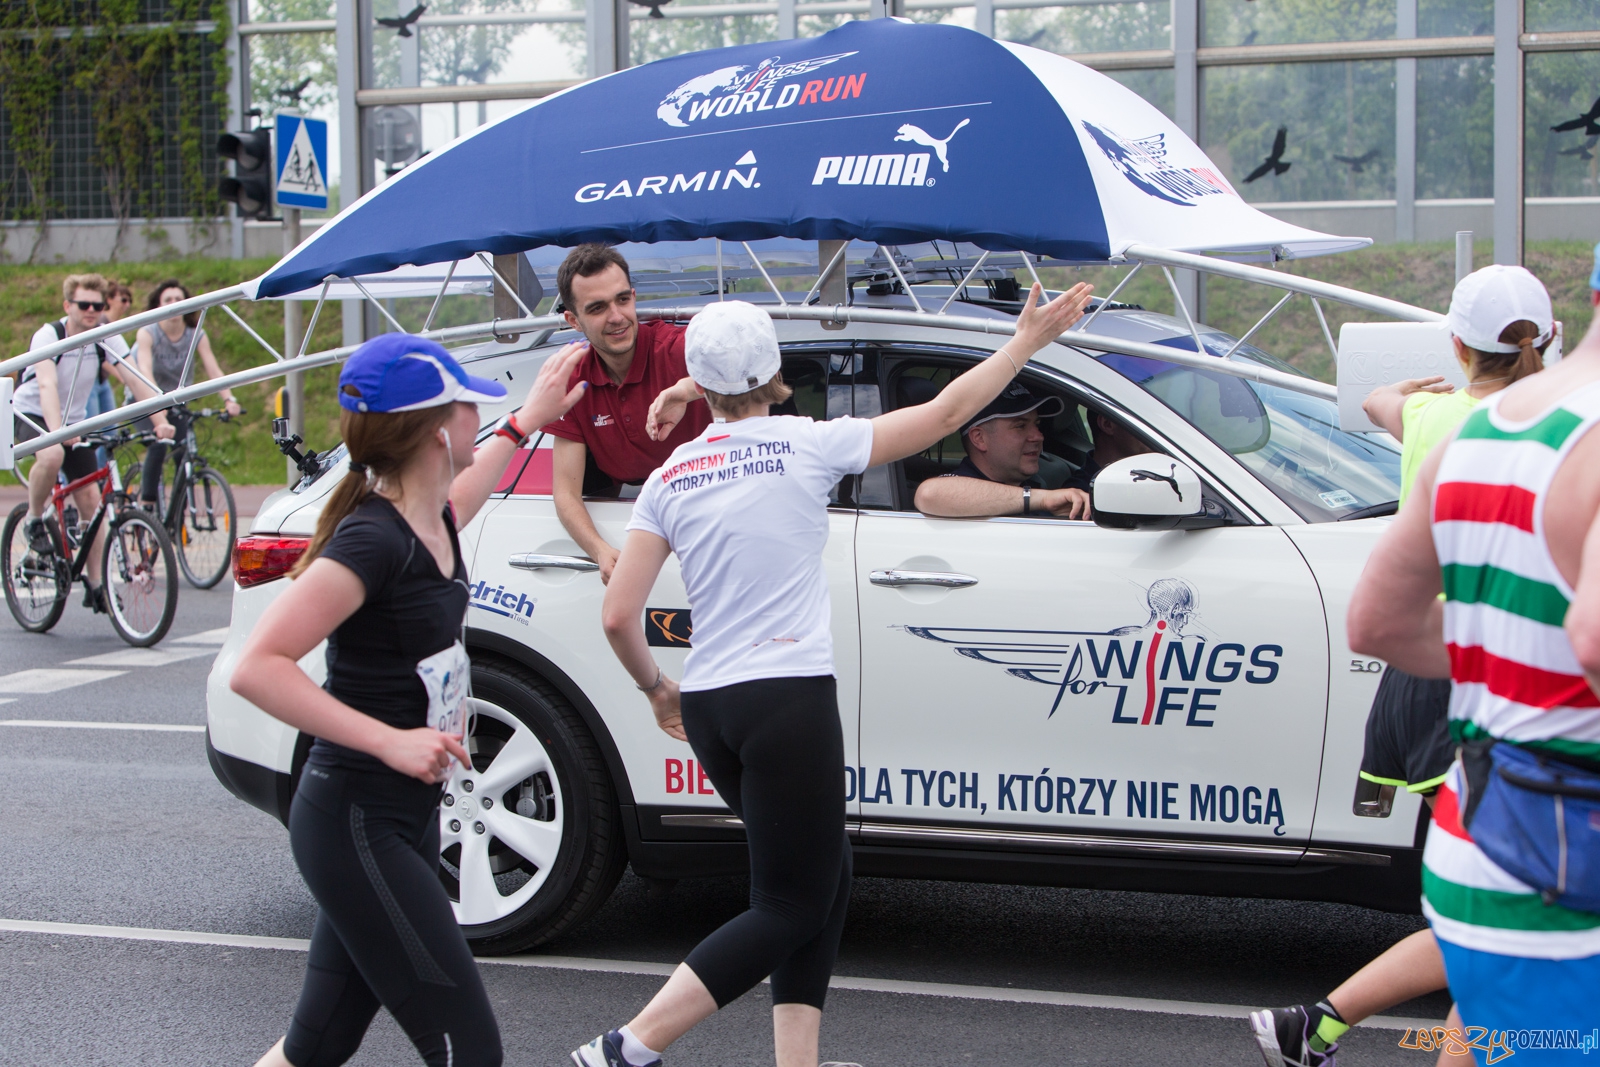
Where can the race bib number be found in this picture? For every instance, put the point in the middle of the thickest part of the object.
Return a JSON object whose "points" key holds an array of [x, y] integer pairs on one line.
{"points": [[444, 675]]}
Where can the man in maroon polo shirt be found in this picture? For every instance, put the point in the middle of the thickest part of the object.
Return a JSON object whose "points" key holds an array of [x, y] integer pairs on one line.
{"points": [[601, 443]]}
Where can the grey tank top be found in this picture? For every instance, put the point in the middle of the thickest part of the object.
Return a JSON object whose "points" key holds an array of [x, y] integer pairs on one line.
{"points": [[169, 355]]}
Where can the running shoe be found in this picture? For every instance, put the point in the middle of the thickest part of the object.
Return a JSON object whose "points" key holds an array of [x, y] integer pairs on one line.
{"points": [[606, 1051], [38, 537], [1282, 1034], [94, 598]]}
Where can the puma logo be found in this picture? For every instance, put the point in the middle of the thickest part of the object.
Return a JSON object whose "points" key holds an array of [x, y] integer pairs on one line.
{"points": [[918, 135]]}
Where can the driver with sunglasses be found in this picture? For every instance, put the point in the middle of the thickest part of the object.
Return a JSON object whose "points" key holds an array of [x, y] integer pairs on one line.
{"points": [[55, 392]]}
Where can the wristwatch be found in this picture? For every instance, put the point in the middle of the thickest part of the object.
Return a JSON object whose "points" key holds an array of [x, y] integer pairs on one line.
{"points": [[507, 427], [1027, 500]]}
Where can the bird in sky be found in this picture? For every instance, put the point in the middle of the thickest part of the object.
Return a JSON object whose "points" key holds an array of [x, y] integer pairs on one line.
{"points": [[653, 5], [402, 25], [1358, 164], [1584, 151], [1274, 163], [1588, 122], [292, 93]]}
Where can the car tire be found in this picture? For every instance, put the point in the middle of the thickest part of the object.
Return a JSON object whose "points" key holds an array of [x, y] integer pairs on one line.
{"points": [[573, 788]]}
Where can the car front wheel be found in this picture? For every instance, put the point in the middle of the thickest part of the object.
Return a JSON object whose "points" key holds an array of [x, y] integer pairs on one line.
{"points": [[530, 839]]}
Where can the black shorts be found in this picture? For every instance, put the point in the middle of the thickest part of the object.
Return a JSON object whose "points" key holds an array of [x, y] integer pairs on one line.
{"points": [[80, 462], [1408, 733]]}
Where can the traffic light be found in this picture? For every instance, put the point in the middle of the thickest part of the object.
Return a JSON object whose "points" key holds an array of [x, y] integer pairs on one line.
{"points": [[251, 185]]}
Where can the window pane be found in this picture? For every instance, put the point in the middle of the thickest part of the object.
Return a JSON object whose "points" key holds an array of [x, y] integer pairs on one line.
{"points": [[1124, 27], [650, 39], [466, 55], [1240, 22], [1156, 86], [1455, 127], [1559, 87], [1554, 16], [1339, 119], [1455, 18]]}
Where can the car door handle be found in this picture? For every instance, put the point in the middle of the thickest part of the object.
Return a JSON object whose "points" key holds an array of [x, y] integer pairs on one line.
{"points": [[538, 561], [943, 579]]}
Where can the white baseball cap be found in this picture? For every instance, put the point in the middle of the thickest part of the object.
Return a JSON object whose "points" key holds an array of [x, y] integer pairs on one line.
{"points": [[731, 347], [1486, 301]]}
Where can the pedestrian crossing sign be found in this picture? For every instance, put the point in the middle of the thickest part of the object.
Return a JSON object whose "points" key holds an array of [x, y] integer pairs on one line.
{"points": [[302, 151]]}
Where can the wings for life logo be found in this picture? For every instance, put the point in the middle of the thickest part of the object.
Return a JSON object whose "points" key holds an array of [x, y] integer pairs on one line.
{"points": [[1150, 673], [744, 89], [1143, 161]]}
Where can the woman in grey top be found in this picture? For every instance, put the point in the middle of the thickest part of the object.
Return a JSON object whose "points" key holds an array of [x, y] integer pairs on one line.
{"points": [[163, 349]]}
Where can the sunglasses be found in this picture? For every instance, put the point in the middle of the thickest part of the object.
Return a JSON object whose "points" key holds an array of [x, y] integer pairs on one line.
{"points": [[90, 305]]}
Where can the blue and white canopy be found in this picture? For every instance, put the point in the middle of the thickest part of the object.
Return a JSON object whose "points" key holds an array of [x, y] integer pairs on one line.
{"points": [[885, 131]]}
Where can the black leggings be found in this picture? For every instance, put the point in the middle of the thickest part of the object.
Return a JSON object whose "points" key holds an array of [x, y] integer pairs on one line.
{"points": [[775, 752], [367, 844]]}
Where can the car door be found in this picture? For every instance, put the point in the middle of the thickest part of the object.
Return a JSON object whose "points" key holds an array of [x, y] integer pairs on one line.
{"points": [[1038, 674], [533, 585]]}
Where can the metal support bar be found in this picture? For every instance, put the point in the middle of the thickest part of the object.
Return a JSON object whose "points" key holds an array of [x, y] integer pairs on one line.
{"points": [[487, 262], [1463, 254], [903, 283], [427, 324], [788, 22], [957, 291], [322, 298], [1327, 334], [1508, 74], [1194, 331], [983, 18], [1104, 303], [194, 345], [132, 367], [381, 309], [822, 275], [1028, 262], [246, 327], [123, 325], [764, 273], [1262, 321], [1185, 66], [721, 291]]}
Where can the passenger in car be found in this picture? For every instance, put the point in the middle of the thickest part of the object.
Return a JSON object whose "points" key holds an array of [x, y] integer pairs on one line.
{"points": [[1000, 474], [602, 444]]}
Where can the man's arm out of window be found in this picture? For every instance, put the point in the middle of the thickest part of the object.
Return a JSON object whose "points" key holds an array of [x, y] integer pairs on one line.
{"points": [[568, 464], [955, 497]]}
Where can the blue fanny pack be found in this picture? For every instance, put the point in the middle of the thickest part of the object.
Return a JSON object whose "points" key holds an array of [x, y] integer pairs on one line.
{"points": [[1538, 818]]}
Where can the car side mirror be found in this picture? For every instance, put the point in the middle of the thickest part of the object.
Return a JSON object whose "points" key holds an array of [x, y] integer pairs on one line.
{"points": [[1145, 492]]}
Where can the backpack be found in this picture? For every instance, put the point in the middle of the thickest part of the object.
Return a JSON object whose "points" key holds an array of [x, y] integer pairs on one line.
{"points": [[60, 327]]}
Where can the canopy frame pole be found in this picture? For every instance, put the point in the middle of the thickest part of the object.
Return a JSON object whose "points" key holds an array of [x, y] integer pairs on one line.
{"points": [[132, 367], [823, 275], [756, 260], [487, 262], [1126, 278], [1194, 331], [903, 283], [194, 344], [246, 327], [1327, 334], [322, 298], [379, 304], [1262, 321], [721, 288], [1031, 270], [959, 289], [427, 323]]}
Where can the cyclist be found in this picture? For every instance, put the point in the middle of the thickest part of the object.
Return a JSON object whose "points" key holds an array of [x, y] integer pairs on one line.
{"points": [[384, 584], [55, 392], [163, 350]]}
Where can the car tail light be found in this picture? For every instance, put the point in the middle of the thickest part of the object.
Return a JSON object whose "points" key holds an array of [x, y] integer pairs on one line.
{"points": [[263, 557]]}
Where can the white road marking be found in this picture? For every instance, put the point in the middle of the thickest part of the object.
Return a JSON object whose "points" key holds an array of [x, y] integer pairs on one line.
{"points": [[63, 724], [50, 679], [139, 657], [661, 970], [204, 637]]}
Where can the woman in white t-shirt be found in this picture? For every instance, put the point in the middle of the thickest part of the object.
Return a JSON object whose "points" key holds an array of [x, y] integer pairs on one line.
{"points": [[744, 507]]}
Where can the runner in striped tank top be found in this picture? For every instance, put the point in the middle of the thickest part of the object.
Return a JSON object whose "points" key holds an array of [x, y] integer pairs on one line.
{"points": [[1498, 523]]}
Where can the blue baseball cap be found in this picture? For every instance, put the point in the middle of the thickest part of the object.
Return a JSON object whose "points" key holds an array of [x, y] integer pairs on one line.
{"points": [[1594, 278], [404, 372]]}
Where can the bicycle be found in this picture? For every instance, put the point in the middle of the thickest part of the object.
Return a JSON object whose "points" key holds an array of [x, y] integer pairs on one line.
{"points": [[138, 574], [198, 513]]}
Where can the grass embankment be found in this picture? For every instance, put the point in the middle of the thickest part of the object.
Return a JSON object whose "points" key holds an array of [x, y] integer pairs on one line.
{"points": [[1417, 274]]}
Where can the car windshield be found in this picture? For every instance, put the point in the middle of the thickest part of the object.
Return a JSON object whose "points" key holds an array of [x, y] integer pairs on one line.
{"points": [[1290, 440]]}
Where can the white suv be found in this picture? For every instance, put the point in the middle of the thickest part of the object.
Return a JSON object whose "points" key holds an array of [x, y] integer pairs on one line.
{"points": [[1025, 700]]}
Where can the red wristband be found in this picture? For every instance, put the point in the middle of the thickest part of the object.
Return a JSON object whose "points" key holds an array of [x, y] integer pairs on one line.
{"points": [[511, 420]]}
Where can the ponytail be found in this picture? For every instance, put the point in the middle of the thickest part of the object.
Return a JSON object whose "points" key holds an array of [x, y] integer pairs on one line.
{"points": [[1513, 366], [381, 445]]}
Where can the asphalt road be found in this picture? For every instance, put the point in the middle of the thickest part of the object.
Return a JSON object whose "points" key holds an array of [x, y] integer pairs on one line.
{"points": [[128, 828]]}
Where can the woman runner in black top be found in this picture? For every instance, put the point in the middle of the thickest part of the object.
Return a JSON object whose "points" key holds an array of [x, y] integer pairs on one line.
{"points": [[384, 584]]}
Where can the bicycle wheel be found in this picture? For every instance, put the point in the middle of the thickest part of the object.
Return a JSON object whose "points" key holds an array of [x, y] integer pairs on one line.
{"points": [[36, 586], [206, 529], [141, 578]]}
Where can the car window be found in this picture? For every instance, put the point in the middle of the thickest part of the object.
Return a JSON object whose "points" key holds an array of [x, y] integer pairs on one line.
{"points": [[1291, 441], [829, 385]]}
